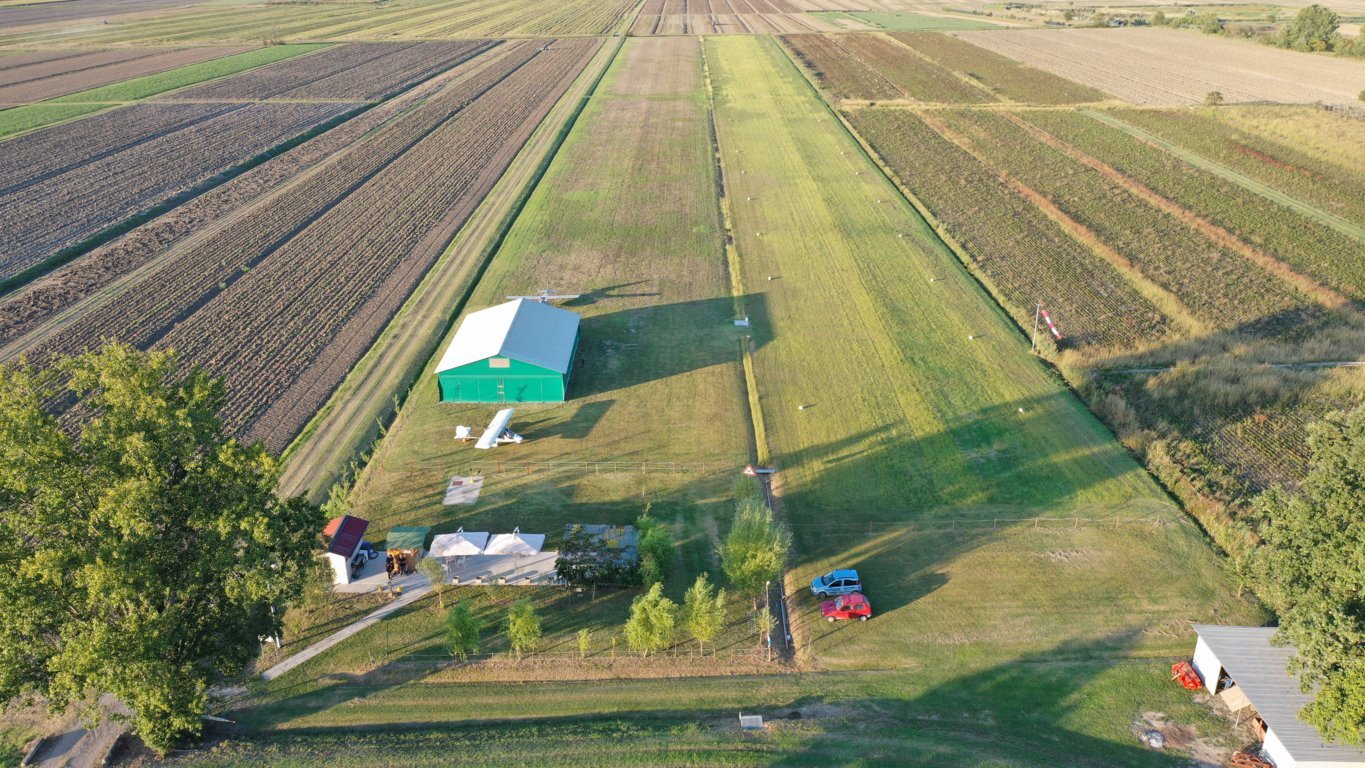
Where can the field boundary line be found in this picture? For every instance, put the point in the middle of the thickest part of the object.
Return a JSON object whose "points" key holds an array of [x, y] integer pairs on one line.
{"points": [[1348, 228], [346, 442], [1203, 226]]}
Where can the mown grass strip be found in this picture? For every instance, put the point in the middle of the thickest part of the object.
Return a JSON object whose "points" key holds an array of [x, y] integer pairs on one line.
{"points": [[30, 116], [153, 85]]}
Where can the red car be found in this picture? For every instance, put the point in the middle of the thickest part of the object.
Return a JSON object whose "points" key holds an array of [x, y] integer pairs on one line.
{"points": [[853, 606]]}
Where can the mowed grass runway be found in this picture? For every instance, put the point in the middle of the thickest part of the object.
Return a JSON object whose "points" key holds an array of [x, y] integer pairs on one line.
{"points": [[1005, 646], [912, 428]]}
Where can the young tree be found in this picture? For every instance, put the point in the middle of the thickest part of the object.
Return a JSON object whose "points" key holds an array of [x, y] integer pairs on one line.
{"points": [[652, 619], [462, 631], [703, 611], [431, 568], [523, 627], [756, 548], [655, 548], [584, 642], [143, 551], [1311, 570], [766, 622]]}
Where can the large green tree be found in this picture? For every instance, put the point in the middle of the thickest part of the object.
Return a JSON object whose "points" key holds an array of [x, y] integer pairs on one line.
{"points": [[143, 552], [1313, 29], [653, 618], [1311, 571]]}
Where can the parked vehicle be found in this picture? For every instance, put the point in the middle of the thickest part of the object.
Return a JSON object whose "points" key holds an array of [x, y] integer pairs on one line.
{"points": [[840, 582], [853, 606]]}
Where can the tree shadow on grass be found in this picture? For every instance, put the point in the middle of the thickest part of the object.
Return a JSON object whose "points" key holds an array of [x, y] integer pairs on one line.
{"points": [[1042, 709]]}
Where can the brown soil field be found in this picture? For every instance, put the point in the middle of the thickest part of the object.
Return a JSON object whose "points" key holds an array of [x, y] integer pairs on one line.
{"points": [[286, 297], [70, 10], [354, 71], [1174, 67], [37, 302], [708, 17], [69, 74], [57, 203]]}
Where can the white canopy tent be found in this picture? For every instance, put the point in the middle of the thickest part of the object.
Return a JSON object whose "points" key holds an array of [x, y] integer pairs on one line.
{"points": [[458, 544], [515, 543]]}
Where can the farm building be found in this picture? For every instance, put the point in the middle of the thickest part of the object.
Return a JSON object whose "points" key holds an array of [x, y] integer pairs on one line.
{"points": [[518, 352], [1243, 667], [346, 533]]}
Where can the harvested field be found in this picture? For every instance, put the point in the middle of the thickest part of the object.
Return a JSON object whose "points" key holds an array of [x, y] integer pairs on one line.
{"points": [[1337, 137], [1004, 76], [57, 77], [53, 200], [1025, 257], [419, 20], [719, 17], [358, 71], [873, 67], [1172, 67], [70, 10], [284, 299]]}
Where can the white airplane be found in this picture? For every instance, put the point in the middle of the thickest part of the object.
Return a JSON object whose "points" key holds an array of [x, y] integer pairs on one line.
{"points": [[497, 431]]}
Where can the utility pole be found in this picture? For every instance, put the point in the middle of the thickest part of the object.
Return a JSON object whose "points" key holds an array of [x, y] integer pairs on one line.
{"points": [[1037, 310]]}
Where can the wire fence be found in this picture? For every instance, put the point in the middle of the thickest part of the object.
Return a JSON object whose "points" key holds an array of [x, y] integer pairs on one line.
{"points": [[602, 467], [1050, 522], [595, 657]]}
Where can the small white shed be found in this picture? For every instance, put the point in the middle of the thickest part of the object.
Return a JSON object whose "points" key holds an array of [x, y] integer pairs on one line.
{"points": [[1260, 670]]}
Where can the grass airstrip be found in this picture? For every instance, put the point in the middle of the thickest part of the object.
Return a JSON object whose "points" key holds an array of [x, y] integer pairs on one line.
{"points": [[1031, 584]]}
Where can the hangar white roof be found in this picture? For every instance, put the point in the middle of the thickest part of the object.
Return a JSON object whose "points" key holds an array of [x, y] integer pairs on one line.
{"points": [[1260, 669], [521, 329]]}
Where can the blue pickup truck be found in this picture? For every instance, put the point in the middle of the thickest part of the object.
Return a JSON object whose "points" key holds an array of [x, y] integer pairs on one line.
{"points": [[834, 583]]}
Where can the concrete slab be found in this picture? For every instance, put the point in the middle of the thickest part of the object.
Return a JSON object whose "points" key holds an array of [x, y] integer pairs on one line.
{"points": [[374, 577], [463, 490], [516, 570]]}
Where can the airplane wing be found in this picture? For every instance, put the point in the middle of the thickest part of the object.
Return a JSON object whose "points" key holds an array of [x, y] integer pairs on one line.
{"points": [[489, 438]]}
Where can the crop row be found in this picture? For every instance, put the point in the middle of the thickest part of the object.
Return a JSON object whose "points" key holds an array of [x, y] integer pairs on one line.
{"points": [[38, 301], [1306, 245], [1333, 187], [34, 157], [69, 75], [40, 219], [872, 67], [1221, 287], [283, 301], [1026, 257], [1003, 75], [354, 71]]}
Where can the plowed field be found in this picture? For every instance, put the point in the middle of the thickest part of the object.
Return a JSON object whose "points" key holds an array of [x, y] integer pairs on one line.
{"points": [[46, 78], [283, 299], [67, 183], [356, 71]]}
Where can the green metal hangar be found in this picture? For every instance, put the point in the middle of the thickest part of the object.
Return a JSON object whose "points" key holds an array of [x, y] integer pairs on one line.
{"points": [[518, 352]]}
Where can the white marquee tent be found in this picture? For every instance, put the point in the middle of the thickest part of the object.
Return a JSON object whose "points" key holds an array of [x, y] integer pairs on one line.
{"points": [[515, 543], [459, 544]]}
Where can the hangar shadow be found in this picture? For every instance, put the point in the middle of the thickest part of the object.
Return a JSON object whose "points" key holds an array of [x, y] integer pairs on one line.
{"points": [[628, 347]]}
